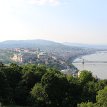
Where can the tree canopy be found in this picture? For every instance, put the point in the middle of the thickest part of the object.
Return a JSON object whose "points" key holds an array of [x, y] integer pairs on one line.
{"points": [[41, 86]]}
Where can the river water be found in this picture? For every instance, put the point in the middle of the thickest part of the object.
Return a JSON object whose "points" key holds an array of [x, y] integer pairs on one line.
{"points": [[96, 63]]}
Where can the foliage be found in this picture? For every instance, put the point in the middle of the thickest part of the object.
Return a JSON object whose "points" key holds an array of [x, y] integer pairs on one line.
{"points": [[39, 95], [85, 76], [101, 100], [41, 86], [89, 104], [102, 97], [55, 85]]}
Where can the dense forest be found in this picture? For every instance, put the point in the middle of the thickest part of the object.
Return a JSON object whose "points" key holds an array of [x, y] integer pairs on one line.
{"points": [[33, 85]]}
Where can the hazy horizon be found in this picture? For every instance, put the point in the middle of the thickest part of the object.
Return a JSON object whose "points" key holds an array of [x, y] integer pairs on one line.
{"points": [[74, 21], [73, 43]]}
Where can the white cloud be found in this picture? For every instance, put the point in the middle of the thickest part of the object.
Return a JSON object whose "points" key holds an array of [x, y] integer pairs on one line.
{"points": [[43, 2]]}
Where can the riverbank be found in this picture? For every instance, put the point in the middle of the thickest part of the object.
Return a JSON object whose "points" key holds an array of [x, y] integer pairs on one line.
{"points": [[71, 59]]}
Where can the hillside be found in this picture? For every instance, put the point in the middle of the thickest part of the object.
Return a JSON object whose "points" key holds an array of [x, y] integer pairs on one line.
{"points": [[29, 44], [42, 44], [94, 46]]}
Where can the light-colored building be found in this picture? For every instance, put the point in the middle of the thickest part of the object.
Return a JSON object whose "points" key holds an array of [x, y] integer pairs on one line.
{"points": [[69, 72], [17, 58], [42, 55]]}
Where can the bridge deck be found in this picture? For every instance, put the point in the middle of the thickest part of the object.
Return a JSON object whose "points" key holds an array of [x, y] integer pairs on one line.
{"points": [[91, 62]]}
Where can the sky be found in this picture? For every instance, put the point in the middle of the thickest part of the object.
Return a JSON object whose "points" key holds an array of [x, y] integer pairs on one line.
{"points": [[75, 21]]}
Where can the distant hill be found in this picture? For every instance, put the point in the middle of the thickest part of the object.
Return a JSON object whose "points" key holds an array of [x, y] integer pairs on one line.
{"points": [[45, 44], [27, 44], [85, 45], [42, 44]]}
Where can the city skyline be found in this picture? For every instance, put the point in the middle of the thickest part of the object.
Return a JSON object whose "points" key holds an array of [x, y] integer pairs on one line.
{"points": [[76, 21]]}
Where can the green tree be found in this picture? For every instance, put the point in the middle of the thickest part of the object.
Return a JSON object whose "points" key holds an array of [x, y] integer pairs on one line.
{"points": [[89, 104], [39, 96], [101, 84], [55, 86], [37, 70], [4, 89], [13, 76], [85, 76], [102, 97], [89, 92], [31, 74], [74, 90], [21, 96]]}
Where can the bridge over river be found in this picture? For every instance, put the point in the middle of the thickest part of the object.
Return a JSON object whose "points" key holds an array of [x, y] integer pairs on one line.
{"points": [[96, 63], [86, 61]]}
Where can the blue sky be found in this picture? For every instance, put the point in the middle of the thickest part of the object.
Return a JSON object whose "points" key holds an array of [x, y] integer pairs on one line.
{"points": [[77, 21]]}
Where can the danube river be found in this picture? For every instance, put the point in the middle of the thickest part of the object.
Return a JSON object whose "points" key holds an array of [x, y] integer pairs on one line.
{"points": [[96, 63]]}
